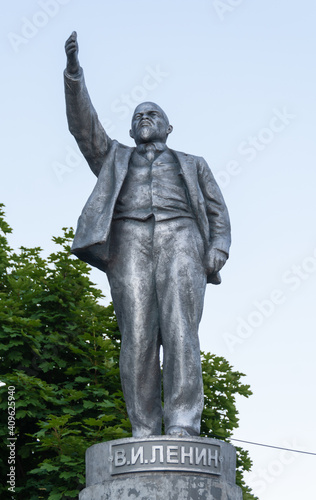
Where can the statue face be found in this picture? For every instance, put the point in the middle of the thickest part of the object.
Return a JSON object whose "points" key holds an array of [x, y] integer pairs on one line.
{"points": [[149, 123]]}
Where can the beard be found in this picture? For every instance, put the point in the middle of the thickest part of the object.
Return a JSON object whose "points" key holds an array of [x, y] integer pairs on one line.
{"points": [[145, 132], [149, 133]]}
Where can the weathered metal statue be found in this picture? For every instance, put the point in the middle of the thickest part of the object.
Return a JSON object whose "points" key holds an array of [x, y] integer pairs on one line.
{"points": [[157, 224]]}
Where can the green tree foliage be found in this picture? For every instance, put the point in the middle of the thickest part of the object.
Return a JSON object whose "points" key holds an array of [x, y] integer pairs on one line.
{"points": [[220, 415], [59, 348]]}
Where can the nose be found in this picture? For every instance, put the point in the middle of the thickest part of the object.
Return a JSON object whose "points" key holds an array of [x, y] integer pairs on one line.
{"points": [[146, 117]]}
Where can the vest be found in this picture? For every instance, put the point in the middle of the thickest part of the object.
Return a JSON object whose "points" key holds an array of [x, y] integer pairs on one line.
{"points": [[153, 188]]}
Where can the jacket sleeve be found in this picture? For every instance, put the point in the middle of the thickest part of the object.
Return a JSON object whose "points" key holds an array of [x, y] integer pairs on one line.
{"points": [[216, 210], [83, 122]]}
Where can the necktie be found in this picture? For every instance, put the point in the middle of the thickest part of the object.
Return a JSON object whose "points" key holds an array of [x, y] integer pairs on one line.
{"points": [[150, 152]]}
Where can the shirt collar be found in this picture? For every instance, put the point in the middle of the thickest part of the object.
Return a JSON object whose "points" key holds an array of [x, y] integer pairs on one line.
{"points": [[159, 146]]}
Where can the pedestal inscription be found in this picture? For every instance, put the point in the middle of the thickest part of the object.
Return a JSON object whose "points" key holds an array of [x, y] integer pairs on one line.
{"points": [[153, 455]]}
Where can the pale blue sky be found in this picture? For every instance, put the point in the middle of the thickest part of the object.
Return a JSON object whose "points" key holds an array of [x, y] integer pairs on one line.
{"points": [[238, 85]]}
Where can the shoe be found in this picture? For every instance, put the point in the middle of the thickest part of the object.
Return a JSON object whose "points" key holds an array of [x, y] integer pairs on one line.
{"points": [[177, 431]]}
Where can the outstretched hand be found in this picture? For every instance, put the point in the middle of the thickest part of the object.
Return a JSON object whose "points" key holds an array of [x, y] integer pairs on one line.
{"points": [[214, 261], [72, 49]]}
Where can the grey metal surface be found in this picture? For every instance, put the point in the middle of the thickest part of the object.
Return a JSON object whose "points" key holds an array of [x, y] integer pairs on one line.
{"points": [[166, 484], [157, 224], [161, 486]]}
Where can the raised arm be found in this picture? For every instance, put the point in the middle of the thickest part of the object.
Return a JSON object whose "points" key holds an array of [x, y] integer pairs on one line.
{"points": [[83, 120]]}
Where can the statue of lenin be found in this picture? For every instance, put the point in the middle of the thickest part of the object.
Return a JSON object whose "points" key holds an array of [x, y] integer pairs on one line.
{"points": [[157, 225]]}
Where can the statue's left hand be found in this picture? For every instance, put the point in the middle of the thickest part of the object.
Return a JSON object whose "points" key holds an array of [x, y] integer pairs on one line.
{"points": [[214, 260]]}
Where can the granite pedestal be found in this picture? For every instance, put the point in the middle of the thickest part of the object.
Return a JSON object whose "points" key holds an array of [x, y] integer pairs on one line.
{"points": [[161, 468]]}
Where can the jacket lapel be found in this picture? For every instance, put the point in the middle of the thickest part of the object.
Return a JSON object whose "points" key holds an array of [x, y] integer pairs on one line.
{"points": [[122, 157]]}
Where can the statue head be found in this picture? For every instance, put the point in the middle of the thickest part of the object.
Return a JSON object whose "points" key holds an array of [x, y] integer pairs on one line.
{"points": [[149, 123]]}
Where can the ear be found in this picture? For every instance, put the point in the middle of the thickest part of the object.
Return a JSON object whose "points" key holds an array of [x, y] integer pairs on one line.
{"points": [[131, 134], [169, 129]]}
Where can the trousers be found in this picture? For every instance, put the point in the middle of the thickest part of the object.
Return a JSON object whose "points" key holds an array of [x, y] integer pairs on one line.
{"points": [[158, 282]]}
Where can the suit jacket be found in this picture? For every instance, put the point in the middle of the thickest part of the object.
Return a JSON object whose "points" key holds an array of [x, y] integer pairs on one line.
{"points": [[109, 160]]}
